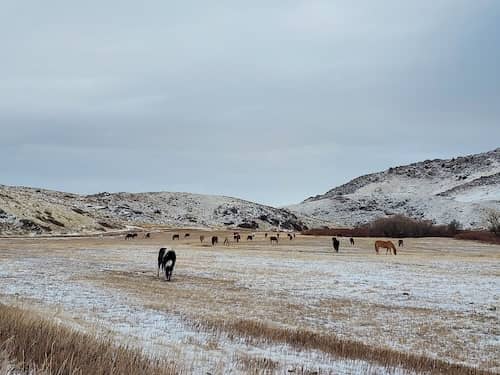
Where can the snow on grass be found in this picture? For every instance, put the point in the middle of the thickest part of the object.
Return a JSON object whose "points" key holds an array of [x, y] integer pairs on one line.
{"points": [[458, 295]]}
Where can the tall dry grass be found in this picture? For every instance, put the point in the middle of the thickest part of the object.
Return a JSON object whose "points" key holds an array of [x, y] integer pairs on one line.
{"points": [[348, 349], [36, 345]]}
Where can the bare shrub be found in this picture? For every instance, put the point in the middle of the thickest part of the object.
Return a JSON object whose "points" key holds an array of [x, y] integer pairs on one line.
{"points": [[394, 226], [493, 221], [454, 227], [479, 235]]}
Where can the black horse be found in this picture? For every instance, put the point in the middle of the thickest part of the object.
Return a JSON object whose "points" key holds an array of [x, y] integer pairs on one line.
{"points": [[166, 262], [336, 244], [400, 243], [175, 237], [351, 240], [215, 240], [130, 235]]}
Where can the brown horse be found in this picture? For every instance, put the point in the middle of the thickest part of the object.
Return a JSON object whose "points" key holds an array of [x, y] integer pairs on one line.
{"points": [[388, 245]]}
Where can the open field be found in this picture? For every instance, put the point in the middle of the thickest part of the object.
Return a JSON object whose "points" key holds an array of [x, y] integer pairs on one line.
{"points": [[253, 307]]}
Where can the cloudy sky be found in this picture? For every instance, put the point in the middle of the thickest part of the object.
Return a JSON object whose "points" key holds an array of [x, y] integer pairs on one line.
{"points": [[268, 101]]}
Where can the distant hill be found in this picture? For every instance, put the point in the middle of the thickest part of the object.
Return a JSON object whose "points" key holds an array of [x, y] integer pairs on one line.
{"points": [[461, 188], [28, 210]]}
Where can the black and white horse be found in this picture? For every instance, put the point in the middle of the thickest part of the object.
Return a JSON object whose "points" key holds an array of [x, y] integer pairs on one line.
{"points": [[166, 262]]}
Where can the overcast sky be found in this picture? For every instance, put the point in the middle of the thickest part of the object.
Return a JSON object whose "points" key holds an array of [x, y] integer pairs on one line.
{"points": [[267, 101]]}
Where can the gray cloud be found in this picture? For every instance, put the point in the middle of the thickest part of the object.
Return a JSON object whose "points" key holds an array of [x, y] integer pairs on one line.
{"points": [[269, 102]]}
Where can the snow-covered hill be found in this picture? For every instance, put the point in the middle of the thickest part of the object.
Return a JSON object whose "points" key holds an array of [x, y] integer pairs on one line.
{"points": [[29, 210], [461, 188]]}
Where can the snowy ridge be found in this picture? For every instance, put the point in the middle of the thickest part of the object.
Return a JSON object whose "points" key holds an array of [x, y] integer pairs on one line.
{"points": [[461, 188], [29, 210]]}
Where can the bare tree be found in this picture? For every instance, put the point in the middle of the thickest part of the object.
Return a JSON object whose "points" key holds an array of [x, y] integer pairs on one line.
{"points": [[454, 227], [493, 221]]}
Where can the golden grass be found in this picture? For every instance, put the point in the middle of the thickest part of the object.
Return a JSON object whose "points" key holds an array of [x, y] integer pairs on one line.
{"points": [[208, 290], [38, 346], [349, 349]]}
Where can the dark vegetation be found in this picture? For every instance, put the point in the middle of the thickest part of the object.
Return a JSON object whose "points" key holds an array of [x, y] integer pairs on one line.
{"points": [[399, 226]]}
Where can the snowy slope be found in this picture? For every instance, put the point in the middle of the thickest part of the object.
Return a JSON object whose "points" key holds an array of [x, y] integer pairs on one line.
{"points": [[440, 190], [29, 210]]}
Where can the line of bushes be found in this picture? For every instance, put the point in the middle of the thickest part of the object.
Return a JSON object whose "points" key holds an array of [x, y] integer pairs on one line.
{"points": [[399, 226]]}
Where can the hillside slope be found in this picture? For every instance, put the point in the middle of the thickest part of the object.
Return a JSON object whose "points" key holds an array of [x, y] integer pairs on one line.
{"points": [[28, 210], [461, 188]]}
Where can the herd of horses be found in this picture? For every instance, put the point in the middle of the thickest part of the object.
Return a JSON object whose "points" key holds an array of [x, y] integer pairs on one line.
{"points": [[167, 256], [274, 239]]}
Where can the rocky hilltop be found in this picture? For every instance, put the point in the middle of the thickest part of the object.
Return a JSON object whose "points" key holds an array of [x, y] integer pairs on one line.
{"points": [[29, 210], [440, 190]]}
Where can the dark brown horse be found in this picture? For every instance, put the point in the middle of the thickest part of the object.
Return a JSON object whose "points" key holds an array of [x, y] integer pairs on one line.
{"points": [[273, 240], [175, 237], [215, 240], [336, 244]]}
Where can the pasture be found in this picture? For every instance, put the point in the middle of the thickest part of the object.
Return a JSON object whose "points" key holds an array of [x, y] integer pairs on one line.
{"points": [[250, 307]]}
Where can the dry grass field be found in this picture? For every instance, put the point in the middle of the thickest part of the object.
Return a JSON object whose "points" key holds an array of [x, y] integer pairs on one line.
{"points": [[251, 307]]}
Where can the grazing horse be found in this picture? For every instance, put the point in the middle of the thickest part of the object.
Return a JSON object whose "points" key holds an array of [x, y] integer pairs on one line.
{"points": [[249, 237], [400, 243], [215, 240], [388, 245], [237, 237], [336, 244], [290, 236], [166, 262], [351, 240], [130, 235], [202, 238], [273, 239], [265, 235], [226, 241], [175, 237], [186, 235], [147, 235]]}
